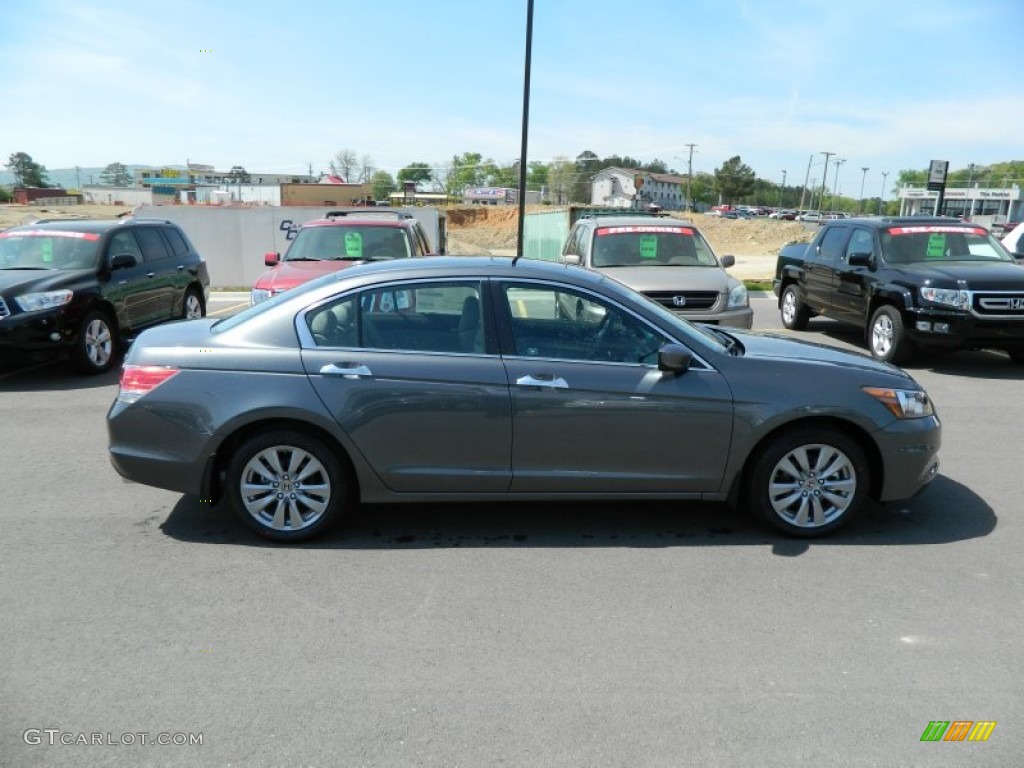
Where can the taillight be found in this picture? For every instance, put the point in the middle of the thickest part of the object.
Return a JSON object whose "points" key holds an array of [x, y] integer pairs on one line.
{"points": [[139, 380]]}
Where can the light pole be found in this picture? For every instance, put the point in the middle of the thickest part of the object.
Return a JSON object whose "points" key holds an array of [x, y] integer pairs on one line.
{"points": [[782, 188], [839, 162], [881, 196], [863, 178], [824, 175]]}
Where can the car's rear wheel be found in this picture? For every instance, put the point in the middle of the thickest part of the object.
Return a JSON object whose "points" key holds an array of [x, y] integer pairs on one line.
{"points": [[286, 485], [809, 482], [95, 348], [795, 313], [887, 338], [192, 308]]}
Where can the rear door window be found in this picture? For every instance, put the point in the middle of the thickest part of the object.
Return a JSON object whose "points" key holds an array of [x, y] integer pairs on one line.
{"points": [[154, 248]]}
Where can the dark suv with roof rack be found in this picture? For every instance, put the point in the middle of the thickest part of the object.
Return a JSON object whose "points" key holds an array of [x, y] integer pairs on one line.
{"points": [[81, 286], [339, 240], [912, 282]]}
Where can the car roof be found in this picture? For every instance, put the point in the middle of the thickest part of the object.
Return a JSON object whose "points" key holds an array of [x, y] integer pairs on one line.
{"points": [[909, 221], [87, 225], [637, 220], [363, 218]]}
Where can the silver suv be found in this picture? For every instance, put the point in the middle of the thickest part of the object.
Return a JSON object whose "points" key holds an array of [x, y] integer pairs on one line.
{"points": [[666, 259]]}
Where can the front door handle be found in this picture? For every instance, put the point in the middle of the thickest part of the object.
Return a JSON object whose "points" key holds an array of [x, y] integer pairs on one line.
{"points": [[346, 370], [151, 274], [545, 380]]}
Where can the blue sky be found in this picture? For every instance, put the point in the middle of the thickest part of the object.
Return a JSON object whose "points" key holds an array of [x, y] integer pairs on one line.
{"points": [[279, 86]]}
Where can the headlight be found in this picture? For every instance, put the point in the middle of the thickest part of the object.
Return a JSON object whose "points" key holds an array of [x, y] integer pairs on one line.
{"points": [[32, 302], [951, 297], [904, 403], [738, 297], [258, 295]]}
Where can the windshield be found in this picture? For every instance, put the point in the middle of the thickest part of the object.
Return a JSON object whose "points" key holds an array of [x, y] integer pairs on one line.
{"points": [[940, 242], [651, 246], [48, 249], [349, 243]]}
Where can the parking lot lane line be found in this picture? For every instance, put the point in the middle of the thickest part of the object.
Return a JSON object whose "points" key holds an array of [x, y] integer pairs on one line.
{"points": [[232, 308], [37, 366]]}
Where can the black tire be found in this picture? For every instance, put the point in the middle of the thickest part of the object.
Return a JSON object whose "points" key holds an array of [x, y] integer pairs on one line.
{"points": [[96, 345], [192, 305], [887, 338], [831, 489], [795, 313], [275, 505]]}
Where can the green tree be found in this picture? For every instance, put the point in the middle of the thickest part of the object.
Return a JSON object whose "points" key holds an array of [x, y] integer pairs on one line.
{"points": [[702, 189], [561, 175], [415, 172], [536, 175], [383, 185], [5, 194], [27, 172], [465, 170], [116, 175], [734, 179], [239, 175]]}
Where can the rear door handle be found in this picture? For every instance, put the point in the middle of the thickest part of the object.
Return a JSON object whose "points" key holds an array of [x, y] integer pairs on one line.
{"points": [[151, 274], [548, 381], [346, 371]]}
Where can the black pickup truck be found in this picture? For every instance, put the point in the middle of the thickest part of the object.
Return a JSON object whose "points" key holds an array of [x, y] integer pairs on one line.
{"points": [[914, 282]]}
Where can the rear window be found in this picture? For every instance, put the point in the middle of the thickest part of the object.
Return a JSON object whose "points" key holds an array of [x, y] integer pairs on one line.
{"points": [[939, 242], [48, 249], [355, 243], [650, 245]]}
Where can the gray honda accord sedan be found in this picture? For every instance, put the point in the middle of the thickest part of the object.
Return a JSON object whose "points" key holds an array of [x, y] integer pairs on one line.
{"points": [[450, 379]]}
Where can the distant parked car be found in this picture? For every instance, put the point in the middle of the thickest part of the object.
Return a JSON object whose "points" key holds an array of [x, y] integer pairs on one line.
{"points": [[418, 380], [810, 216], [82, 286], [337, 241]]}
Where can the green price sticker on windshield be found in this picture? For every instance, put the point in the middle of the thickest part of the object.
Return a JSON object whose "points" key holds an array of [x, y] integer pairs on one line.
{"points": [[936, 246], [648, 247], [353, 244], [46, 247]]}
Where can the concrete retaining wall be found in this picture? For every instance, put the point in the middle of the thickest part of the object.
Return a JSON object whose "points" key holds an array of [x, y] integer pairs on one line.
{"points": [[234, 240]]}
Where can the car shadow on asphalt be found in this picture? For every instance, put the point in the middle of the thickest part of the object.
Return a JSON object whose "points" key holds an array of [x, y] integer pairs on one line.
{"points": [[945, 512], [976, 364], [52, 376]]}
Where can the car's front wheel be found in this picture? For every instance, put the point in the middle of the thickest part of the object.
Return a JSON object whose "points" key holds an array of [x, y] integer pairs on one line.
{"points": [[887, 338], [795, 313], [95, 348], [192, 307], [286, 485], [809, 482]]}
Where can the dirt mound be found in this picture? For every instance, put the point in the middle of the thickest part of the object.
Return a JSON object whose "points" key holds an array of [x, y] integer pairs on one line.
{"points": [[11, 215], [486, 227]]}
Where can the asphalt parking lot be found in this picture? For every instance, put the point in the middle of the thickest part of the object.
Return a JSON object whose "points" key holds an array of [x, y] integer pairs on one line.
{"points": [[518, 635]]}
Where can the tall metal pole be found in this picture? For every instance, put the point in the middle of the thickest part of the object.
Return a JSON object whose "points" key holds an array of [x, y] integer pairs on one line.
{"points": [[881, 196], [806, 179], [835, 184], [824, 175], [689, 178], [526, 123], [863, 178]]}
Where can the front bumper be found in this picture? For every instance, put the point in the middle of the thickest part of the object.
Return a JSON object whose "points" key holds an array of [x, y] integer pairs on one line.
{"points": [[34, 331], [939, 329], [910, 456]]}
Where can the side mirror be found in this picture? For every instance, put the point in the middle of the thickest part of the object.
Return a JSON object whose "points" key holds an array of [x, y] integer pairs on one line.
{"points": [[271, 259], [572, 258], [860, 260], [123, 261], [728, 261], [674, 358]]}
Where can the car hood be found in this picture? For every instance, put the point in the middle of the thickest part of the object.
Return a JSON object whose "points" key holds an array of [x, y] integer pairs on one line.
{"points": [[17, 281], [677, 278], [771, 346], [289, 274], [979, 275]]}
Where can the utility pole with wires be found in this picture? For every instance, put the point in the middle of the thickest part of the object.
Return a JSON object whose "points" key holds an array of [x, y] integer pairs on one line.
{"points": [[805, 189], [824, 175], [689, 178]]}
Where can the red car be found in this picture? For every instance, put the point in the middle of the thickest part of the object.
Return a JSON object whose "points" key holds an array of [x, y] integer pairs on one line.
{"points": [[339, 240]]}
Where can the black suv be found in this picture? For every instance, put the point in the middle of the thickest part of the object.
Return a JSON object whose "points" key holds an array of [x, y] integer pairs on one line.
{"points": [[82, 286], [934, 283]]}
